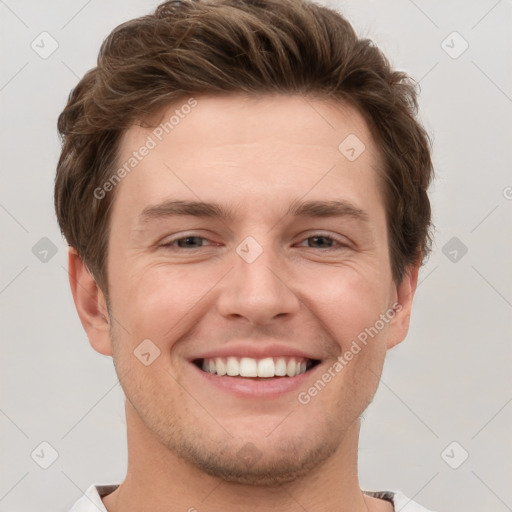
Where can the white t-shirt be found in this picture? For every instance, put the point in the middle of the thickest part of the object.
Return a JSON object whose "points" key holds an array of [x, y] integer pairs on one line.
{"points": [[91, 500]]}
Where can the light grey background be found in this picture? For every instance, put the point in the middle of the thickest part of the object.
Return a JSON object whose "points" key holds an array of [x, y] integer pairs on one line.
{"points": [[449, 381]]}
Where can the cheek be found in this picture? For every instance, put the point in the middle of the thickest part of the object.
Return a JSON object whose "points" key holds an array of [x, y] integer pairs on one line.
{"points": [[347, 301], [160, 302]]}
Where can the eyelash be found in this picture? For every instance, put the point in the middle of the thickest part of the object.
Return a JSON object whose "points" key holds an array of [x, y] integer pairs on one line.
{"points": [[342, 245]]}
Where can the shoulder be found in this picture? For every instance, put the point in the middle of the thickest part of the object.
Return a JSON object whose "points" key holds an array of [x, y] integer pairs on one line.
{"points": [[91, 499], [400, 502]]}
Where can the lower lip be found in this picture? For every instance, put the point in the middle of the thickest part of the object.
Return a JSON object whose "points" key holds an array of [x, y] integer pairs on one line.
{"points": [[251, 388]]}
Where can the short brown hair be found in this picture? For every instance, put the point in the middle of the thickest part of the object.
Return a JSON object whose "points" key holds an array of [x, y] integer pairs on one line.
{"points": [[252, 47]]}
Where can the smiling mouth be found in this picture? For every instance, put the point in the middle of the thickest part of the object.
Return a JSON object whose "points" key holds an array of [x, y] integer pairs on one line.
{"points": [[266, 368]]}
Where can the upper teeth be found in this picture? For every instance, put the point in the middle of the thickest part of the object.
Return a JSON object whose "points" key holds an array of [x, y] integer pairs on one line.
{"points": [[249, 367]]}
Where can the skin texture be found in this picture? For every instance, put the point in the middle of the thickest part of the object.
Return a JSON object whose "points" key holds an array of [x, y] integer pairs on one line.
{"points": [[256, 156]]}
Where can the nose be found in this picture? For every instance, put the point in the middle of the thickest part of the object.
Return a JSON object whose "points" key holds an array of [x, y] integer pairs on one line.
{"points": [[258, 291]]}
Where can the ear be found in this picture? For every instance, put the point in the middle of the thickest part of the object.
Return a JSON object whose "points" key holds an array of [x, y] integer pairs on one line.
{"points": [[90, 304], [399, 325]]}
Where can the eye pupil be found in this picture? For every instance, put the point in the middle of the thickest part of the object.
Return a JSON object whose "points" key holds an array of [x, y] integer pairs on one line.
{"points": [[195, 242], [186, 241], [320, 237]]}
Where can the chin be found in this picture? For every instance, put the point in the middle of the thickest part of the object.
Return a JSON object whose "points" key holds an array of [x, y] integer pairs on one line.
{"points": [[276, 464]]}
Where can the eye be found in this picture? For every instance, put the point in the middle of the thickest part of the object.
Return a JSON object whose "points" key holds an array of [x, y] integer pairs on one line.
{"points": [[322, 239], [318, 241], [190, 242]]}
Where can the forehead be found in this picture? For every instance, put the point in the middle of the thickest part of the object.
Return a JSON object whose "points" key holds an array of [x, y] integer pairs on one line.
{"points": [[214, 147], [245, 120]]}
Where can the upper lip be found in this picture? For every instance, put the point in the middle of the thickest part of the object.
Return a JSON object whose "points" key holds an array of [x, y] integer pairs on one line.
{"points": [[255, 350]]}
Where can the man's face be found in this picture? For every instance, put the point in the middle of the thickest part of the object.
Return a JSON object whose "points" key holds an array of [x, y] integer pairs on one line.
{"points": [[264, 284]]}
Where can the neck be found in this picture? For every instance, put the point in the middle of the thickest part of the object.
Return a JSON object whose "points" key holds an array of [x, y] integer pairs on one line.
{"points": [[158, 480]]}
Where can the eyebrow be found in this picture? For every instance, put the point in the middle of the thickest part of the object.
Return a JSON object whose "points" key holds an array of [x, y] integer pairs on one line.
{"points": [[312, 209]]}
